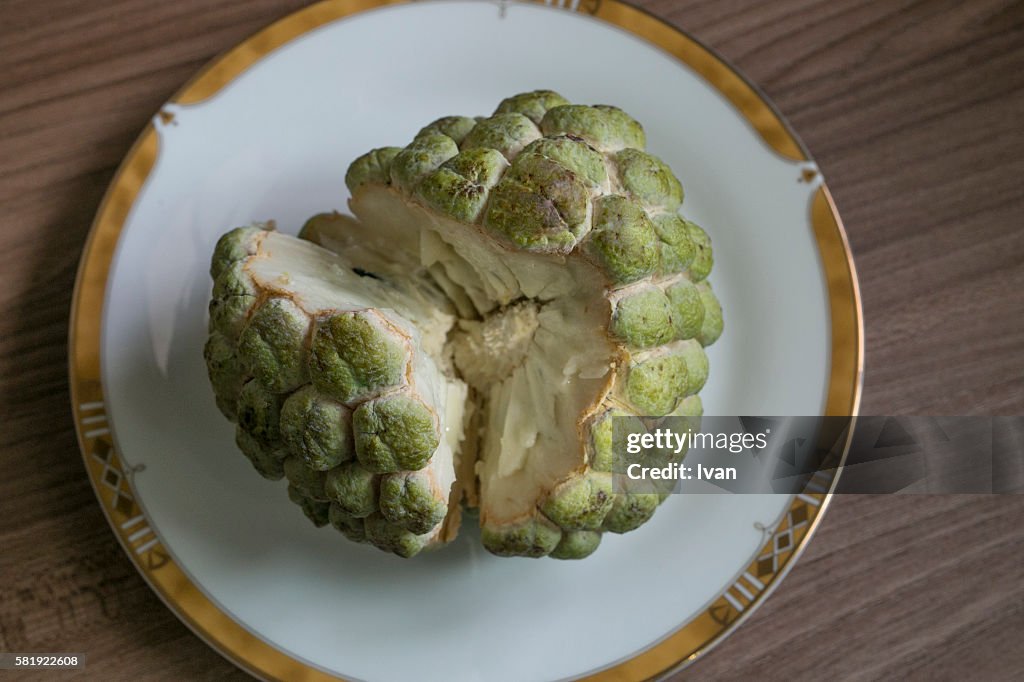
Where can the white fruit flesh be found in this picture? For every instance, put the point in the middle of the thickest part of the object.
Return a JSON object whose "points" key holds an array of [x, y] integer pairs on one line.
{"points": [[539, 359]]}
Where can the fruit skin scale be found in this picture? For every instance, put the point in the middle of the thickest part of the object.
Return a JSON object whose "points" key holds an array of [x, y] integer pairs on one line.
{"points": [[544, 204], [315, 405]]}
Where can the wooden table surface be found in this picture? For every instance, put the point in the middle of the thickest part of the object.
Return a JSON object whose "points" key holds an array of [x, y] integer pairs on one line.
{"points": [[913, 109]]}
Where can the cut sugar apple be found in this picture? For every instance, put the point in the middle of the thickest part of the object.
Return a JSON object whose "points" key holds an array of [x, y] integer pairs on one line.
{"points": [[508, 285]]}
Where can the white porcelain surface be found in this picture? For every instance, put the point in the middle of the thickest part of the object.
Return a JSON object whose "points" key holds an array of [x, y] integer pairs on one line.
{"points": [[275, 144]]}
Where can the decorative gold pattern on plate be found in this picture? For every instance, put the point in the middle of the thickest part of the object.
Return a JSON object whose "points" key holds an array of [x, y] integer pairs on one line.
{"points": [[112, 483], [585, 6]]}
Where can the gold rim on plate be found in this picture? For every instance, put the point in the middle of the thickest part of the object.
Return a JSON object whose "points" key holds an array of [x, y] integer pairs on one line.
{"points": [[783, 542]]}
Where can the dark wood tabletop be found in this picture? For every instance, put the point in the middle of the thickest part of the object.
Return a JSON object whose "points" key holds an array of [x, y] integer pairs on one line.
{"points": [[914, 110]]}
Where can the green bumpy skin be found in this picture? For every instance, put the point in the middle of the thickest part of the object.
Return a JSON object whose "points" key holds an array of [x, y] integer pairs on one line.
{"points": [[267, 460], [607, 452], [697, 366], [603, 127], [460, 187], [225, 371], [644, 319], [392, 538], [259, 412], [353, 489], [455, 127], [395, 432], [655, 458], [576, 544], [317, 429], [233, 297], [602, 441], [655, 386], [712, 325], [687, 309], [423, 156], [507, 133], [273, 345], [372, 167], [691, 407], [581, 502], [623, 239], [351, 527], [541, 208], [407, 501], [228, 315], [687, 414], [309, 482], [630, 511], [649, 180], [549, 179], [532, 105], [232, 280], [690, 410], [700, 267], [574, 154], [533, 538], [233, 247], [316, 511], [354, 355], [677, 247]]}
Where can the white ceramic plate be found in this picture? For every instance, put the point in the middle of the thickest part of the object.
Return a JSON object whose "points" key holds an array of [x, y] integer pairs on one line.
{"points": [[267, 132]]}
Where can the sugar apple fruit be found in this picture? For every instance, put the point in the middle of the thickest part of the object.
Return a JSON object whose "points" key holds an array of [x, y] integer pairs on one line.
{"points": [[507, 286]]}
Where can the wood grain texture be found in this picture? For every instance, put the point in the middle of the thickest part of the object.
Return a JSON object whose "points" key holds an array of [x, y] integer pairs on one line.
{"points": [[914, 112]]}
